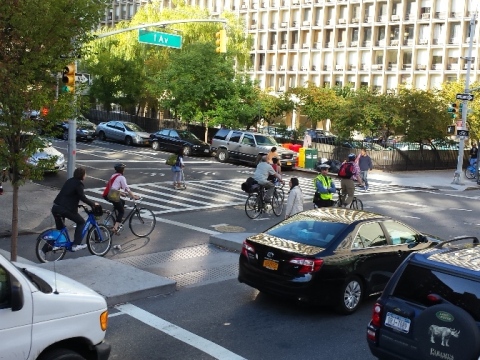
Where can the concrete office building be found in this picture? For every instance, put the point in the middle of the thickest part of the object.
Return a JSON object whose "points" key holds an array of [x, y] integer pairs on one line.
{"points": [[376, 43]]}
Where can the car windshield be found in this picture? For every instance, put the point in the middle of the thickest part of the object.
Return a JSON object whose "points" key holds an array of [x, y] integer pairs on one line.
{"points": [[308, 231], [265, 140], [187, 135], [133, 127]]}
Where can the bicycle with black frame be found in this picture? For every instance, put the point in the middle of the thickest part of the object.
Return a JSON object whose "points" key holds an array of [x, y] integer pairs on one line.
{"points": [[255, 205], [141, 221], [356, 203]]}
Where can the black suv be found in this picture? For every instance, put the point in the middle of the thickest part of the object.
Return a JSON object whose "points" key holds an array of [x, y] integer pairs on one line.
{"points": [[249, 147], [430, 308]]}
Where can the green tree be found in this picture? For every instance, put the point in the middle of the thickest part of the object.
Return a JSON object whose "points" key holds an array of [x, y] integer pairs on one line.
{"points": [[424, 115], [32, 53], [194, 88]]}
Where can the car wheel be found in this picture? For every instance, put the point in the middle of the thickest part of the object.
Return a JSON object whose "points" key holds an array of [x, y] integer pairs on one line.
{"points": [[155, 146], [187, 150], [222, 155], [128, 141], [61, 354], [65, 135], [102, 136], [446, 328], [350, 296]]}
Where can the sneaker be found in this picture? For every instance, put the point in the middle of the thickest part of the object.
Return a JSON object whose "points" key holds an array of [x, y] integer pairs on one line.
{"points": [[1, 190], [79, 247], [55, 248]]}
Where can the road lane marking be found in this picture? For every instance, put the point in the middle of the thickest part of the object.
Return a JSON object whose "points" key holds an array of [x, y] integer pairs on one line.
{"points": [[179, 333]]}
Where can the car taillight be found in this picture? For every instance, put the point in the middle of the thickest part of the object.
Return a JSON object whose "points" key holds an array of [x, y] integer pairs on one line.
{"points": [[377, 315], [247, 248], [306, 265]]}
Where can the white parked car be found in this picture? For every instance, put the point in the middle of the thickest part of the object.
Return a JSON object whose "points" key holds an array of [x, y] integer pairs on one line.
{"points": [[49, 316], [123, 131], [41, 158]]}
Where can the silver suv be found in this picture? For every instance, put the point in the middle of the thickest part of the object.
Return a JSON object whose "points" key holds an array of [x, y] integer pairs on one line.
{"points": [[249, 147]]}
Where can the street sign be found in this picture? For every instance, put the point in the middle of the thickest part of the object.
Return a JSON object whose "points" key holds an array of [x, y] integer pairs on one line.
{"points": [[468, 97], [461, 132], [159, 38], [82, 78]]}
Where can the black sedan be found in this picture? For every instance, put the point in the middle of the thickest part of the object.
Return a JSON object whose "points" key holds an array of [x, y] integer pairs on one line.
{"points": [[173, 140], [85, 130], [329, 256]]}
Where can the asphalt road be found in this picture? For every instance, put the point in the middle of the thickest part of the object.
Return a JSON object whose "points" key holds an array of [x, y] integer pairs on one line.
{"points": [[211, 315]]}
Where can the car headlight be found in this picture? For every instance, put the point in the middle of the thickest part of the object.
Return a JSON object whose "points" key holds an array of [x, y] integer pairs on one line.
{"points": [[138, 137]]}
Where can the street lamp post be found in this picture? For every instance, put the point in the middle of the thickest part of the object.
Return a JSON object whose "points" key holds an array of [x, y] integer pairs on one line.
{"points": [[461, 144]]}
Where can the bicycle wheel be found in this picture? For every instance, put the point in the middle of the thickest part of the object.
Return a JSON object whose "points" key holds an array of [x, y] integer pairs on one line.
{"points": [[252, 206], [99, 244], [356, 204], [142, 222], [44, 248], [469, 174], [281, 193], [277, 203]]}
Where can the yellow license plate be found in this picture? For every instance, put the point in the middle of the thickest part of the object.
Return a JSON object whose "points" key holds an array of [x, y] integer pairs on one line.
{"points": [[270, 264], [289, 163]]}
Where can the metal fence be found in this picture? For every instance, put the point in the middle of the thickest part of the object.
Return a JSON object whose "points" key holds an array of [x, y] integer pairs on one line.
{"points": [[398, 160]]}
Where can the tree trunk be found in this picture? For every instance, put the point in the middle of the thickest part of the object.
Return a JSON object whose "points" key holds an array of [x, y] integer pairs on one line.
{"points": [[14, 238]]}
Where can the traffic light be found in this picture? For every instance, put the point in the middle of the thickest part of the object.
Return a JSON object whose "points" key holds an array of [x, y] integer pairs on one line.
{"points": [[68, 78], [460, 109], [221, 41], [451, 130], [452, 109]]}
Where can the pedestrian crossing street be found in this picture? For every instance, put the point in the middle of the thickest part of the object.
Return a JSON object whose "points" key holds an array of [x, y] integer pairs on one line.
{"points": [[162, 198]]}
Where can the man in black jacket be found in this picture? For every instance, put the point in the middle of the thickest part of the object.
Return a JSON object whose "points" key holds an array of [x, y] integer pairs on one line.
{"points": [[66, 203]]}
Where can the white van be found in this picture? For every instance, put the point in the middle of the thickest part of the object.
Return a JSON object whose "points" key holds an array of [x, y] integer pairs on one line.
{"points": [[48, 316]]}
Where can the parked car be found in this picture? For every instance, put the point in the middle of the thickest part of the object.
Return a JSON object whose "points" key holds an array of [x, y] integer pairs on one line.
{"points": [[85, 130], [48, 158], [329, 256], [173, 140], [430, 308], [123, 131], [46, 315], [322, 137], [249, 147]]}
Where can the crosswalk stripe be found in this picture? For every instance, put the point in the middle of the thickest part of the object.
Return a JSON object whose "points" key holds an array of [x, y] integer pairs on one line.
{"points": [[162, 198]]}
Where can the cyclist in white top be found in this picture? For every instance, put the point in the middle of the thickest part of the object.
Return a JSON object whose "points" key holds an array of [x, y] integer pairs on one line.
{"points": [[120, 183]]}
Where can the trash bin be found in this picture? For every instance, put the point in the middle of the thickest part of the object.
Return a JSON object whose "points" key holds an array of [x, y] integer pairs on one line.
{"points": [[311, 157], [301, 157]]}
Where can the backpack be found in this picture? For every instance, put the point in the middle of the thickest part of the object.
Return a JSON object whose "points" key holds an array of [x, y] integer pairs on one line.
{"points": [[172, 160], [249, 185], [346, 171], [109, 185]]}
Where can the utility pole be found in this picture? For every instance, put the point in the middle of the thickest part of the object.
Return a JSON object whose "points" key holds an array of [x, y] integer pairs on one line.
{"points": [[72, 135], [461, 144]]}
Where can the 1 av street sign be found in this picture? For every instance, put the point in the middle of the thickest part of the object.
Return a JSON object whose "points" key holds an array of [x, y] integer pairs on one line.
{"points": [[468, 97], [159, 38]]}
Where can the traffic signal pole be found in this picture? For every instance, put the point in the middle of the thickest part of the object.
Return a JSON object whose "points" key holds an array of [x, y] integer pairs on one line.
{"points": [[457, 177], [72, 134]]}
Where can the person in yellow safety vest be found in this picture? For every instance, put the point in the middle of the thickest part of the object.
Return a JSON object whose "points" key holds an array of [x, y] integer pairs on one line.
{"points": [[324, 188]]}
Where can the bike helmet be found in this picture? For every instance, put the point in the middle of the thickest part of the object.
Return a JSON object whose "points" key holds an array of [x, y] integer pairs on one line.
{"points": [[119, 166], [352, 157]]}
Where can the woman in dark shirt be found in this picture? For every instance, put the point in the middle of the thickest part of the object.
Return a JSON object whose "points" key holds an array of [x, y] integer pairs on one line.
{"points": [[66, 203]]}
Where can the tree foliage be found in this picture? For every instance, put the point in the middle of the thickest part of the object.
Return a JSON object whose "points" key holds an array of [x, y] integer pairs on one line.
{"points": [[33, 51]]}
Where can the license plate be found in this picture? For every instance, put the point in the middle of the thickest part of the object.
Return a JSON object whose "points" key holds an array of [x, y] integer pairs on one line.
{"points": [[206, 150], [270, 264], [289, 163], [397, 322]]}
